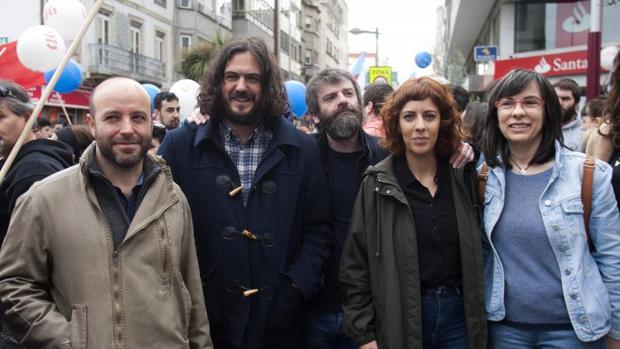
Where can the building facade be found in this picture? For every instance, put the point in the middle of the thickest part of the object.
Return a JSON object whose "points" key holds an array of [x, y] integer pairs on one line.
{"points": [[324, 36], [548, 36]]}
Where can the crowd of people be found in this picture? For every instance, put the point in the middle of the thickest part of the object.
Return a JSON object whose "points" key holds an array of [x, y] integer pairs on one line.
{"points": [[384, 218]]}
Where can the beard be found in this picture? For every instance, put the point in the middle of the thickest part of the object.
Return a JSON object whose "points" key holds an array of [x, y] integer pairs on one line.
{"points": [[568, 115], [344, 123], [249, 118], [123, 159], [1, 147]]}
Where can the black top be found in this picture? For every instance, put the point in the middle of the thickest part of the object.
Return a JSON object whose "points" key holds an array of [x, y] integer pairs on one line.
{"points": [[435, 223], [344, 173], [35, 160], [344, 183]]}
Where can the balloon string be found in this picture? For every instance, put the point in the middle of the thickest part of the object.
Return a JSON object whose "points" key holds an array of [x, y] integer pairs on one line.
{"points": [[49, 88]]}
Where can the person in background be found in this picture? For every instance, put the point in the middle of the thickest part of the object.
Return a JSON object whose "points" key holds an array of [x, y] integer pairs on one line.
{"points": [[544, 287], [59, 124], [36, 159], [411, 270], [43, 129], [474, 118], [569, 94], [373, 100], [78, 137], [605, 143], [159, 133], [461, 97], [592, 116], [167, 110]]}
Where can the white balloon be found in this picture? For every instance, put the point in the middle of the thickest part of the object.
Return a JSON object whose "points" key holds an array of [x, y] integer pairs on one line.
{"points": [[40, 48], [66, 16], [187, 92], [607, 57]]}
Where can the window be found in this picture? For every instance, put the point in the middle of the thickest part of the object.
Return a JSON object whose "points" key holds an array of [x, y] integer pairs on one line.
{"points": [[308, 57], [161, 3], [186, 41], [103, 29], [160, 39], [284, 42], [308, 23], [185, 3], [135, 31]]}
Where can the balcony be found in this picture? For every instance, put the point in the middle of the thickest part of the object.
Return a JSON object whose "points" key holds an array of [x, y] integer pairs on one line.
{"points": [[112, 60]]}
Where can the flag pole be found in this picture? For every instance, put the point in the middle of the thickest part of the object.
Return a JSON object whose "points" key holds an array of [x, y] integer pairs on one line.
{"points": [[62, 105]]}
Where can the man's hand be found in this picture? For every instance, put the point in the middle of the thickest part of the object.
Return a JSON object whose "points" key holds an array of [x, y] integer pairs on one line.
{"points": [[612, 343], [373, 345], [463, 156], [197, 118]]}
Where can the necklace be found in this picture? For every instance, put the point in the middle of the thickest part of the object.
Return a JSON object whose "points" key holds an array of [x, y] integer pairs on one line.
{"points": [[521, 170]]}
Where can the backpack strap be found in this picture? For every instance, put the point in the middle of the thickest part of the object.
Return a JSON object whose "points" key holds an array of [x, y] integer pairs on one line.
{"points": [[482, 181], [586, 195]]}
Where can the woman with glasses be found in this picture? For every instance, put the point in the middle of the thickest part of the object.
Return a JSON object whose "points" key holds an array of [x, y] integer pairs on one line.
{"points": [[411, 267], [544, 287]]}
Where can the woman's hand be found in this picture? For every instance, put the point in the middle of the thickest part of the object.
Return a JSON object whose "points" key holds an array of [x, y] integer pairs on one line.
{"points": [[373, 345], [463, 156]]}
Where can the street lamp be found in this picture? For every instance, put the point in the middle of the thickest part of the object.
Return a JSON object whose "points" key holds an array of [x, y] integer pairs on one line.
{"points": [[356, 31]]}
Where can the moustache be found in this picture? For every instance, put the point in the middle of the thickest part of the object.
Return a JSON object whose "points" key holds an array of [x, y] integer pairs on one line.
{"points": [[242, 96]]}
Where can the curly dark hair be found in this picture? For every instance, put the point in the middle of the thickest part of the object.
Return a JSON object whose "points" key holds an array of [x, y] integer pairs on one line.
{"points": [[419, 89], [273, 104]]}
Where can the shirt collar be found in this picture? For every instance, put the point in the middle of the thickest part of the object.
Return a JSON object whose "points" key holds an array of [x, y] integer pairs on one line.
{"points": [[260, 133]]}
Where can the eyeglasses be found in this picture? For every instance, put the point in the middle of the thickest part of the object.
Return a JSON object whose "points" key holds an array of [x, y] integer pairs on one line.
{"points": [[527, 103]]}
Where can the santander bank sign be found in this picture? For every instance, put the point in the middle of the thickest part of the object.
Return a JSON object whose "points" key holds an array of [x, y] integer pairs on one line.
{"points": [[566, 63]]}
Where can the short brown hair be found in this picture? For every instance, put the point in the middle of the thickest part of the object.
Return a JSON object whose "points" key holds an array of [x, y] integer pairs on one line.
{"points": [[419, 89]]}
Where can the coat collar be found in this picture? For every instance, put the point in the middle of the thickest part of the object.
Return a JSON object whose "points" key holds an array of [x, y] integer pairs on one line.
{"points": [[283, 133]]}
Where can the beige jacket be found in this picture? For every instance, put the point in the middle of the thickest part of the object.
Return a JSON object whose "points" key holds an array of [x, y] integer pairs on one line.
{"points": [[63, 286]]}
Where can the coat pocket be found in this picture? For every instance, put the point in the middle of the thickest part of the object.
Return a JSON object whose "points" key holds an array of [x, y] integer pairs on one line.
{"points": [[186, 299], [79, 326]]}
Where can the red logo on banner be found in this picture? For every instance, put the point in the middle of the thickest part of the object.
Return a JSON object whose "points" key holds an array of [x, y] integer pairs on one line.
{"points": [[573, 24], [567, 63]]}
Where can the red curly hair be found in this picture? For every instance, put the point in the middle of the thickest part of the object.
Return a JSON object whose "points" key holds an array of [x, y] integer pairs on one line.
{"points": [[418, 89]]}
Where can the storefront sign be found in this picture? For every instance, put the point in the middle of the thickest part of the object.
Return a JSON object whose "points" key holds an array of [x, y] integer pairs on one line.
{"points": [[77, 99], [567, 63]]}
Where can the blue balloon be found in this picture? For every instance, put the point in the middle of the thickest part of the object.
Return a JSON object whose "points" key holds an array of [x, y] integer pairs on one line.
{"points": [[69, 80], [152, 90], [296, 92], [423, 59]]}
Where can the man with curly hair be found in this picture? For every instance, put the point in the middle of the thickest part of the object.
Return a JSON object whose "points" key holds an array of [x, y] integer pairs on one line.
{"points": [[259, 201]]}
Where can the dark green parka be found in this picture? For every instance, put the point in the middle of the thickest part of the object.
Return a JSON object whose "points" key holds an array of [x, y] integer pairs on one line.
{"points": [[379, 271]]}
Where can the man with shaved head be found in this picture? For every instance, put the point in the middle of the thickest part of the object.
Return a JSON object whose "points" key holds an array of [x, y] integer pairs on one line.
{"points": [[101, 255]]}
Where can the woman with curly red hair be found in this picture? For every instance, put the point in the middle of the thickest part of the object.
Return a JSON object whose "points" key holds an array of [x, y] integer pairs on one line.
{"points": [[412, 265]]}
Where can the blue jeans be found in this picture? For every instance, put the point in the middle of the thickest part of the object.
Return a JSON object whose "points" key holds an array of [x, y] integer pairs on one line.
{"points": [[443, 319], [505, 335], [325, 331]]}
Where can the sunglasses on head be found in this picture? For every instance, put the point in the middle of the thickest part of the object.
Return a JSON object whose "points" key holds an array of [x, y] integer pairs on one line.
{"points": [[5, 92]]}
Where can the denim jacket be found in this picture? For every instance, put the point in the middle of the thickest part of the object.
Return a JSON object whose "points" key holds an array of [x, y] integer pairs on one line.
{"points": [[590, 282]]}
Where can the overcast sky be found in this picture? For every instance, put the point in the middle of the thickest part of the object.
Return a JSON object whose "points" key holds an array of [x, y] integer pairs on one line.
{"points": [[406, 26]]}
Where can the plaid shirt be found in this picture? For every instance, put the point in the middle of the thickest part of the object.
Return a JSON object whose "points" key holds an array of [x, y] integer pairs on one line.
{"points": [[246, 157]]}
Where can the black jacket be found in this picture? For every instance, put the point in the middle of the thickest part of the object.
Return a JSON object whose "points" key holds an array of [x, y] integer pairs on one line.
{"points": [[328, 298], [36, 160], [287, 214]]}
